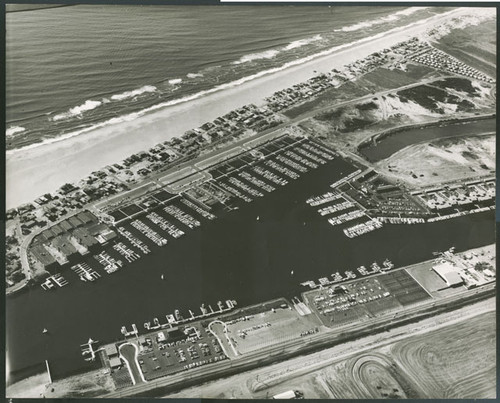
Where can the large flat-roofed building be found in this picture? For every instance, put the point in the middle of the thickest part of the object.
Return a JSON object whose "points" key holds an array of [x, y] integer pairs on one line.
{"points": [[84, 238], [449, 274], [64, 246], [43, 256]]}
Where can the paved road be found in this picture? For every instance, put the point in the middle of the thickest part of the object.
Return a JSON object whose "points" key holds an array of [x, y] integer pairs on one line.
{"points": [[129, 353], [266, 356]]}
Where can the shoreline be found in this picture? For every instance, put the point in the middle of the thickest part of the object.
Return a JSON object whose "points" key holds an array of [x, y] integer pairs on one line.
{"points": [[34, 171]]}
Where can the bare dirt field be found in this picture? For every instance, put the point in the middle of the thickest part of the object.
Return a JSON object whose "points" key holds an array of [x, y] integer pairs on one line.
{"points": [[89, 384], [376, 366], [441, 160], [270, 327], [453, 362]]}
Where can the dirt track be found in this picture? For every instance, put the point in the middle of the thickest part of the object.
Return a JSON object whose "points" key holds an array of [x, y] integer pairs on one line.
{"points": [[326, 374]]}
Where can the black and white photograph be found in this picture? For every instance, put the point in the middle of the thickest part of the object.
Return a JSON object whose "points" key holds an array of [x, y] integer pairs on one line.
{"points": [[229, 200]]}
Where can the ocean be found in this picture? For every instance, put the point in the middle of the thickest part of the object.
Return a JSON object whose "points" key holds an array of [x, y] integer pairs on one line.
{"points": [[75, 68]]}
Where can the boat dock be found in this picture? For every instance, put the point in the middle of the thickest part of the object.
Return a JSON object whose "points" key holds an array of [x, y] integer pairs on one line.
{"points": [[182, 216], [323, 199], [281, 169], [53, 281], [238, 183], [198, 209], [178, 319], [335, 208], [149, 232], [256, 182], [346, 217], [85, 272], [127, 253], [110, 264], [270, 176], [349, 275], [363, 228], [133, 240]]}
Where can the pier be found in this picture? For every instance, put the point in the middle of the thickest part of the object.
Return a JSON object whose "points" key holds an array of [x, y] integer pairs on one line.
{"points": [[85, 272], [148, 232]]}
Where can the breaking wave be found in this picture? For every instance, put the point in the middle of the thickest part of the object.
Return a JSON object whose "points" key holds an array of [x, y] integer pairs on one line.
{"points": [[303, 42], [13, 130], [175, 81], [390, 18], [268, 54], [77, 110], [131, 94]]}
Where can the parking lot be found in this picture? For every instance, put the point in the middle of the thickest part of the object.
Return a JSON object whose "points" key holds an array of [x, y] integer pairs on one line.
{"points": [[365, 298], [165, 353], [254, 331]]}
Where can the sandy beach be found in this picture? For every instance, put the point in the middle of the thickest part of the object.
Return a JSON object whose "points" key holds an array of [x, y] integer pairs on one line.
{"points": [[34, 171]]}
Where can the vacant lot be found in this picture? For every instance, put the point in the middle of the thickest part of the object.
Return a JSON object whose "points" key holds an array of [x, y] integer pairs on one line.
{"points": [[441, 160], [453, 362]]}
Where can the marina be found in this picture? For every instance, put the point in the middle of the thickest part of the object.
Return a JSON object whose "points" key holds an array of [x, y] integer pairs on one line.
{"points": [[110, 264], [257, 182], [198, 209], [346, 217], [349, 275], [177, 318], [280, 168], [126, 252], [363, 228], [54, 281], [323, 199], [165, 225], [182, 216], [335, 208], [85, 272], [148, 232], [133, 240]]}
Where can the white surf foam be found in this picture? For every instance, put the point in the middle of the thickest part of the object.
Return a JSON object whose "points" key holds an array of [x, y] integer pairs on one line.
{"points": [[13, 130], [77, 110], [382, 20], [268, 54], [131, 94], [303, 42]]}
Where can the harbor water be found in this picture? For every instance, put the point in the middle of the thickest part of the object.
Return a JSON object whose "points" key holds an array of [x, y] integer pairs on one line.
{"points": [[235, 256]]}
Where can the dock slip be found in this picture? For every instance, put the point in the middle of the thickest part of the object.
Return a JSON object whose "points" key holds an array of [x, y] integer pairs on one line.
{"points": [[85, 272], [53, 281]]}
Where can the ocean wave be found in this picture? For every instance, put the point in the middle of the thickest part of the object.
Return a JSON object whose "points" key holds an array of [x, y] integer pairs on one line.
{"points": [[194, 75], [175, 81], [302, 42], [131, 94], [13, 130], [390, 18], [268, 54], [135, 115], [78, 110]]}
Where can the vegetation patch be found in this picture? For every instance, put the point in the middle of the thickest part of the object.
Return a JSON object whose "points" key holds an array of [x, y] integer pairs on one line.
{"points": [[459, 84]]}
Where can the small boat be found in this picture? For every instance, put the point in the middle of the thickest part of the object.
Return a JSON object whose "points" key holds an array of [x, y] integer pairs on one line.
{"points": [[45, 331], [291, 273], [258, 218], [162, 277]]}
